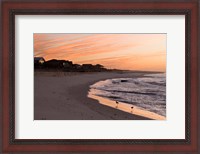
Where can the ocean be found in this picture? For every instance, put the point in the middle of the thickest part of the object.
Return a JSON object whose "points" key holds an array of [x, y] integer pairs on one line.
{"points": [[147, 92]]}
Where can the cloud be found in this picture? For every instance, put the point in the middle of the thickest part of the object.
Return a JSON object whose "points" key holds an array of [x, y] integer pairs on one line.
{"points": [[122, 51]]}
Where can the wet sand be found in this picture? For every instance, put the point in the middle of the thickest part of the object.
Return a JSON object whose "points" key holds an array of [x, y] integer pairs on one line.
{"points": [[63, 96]]}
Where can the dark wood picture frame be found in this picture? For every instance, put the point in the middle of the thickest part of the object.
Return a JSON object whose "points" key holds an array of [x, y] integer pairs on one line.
{"points": [[189, 9]]}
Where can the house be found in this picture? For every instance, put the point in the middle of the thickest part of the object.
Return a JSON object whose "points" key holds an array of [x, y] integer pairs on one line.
{"points": [[54, 64], [87, 67], [38, 62], [99, 67], [76, 66], [67, 64]]}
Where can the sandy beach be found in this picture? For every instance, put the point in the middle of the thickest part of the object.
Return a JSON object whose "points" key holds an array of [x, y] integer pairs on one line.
{"points": [[63, 96]]}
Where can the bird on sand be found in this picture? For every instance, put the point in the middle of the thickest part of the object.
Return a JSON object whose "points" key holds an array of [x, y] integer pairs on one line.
{"points": [[132, 108], [117, 104]]}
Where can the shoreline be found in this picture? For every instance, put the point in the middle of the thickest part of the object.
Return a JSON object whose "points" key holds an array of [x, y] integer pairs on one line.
{"points": [[127, 108], [63, 96]]}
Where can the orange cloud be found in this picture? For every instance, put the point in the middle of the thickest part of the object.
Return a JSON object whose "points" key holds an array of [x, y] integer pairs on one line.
{"points": [[120, 51]]}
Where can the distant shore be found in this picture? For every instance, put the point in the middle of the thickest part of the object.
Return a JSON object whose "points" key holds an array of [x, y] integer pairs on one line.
{"points": [[63, 96]]}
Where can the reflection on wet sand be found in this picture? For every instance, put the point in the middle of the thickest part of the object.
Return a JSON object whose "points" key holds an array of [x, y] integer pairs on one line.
{"points": [[126, 107]]}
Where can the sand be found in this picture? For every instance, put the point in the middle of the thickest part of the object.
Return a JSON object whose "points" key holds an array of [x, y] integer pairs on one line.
{"points": [[63, 96]]}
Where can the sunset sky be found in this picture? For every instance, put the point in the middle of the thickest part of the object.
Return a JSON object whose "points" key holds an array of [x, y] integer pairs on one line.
{"points": [[115, 51]]}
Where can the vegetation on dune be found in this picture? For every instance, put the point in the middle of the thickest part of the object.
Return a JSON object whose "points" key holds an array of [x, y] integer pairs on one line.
{"points": [[66, 65]]}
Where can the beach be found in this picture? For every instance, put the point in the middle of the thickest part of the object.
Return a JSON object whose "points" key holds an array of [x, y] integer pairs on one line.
{"points": [[64, 96]]}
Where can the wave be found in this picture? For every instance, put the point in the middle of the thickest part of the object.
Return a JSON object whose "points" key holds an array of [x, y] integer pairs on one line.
{"points": [[147, 92]]}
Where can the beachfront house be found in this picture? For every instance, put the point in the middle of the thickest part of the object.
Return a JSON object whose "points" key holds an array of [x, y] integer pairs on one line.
{"points": [[87, 67], [99, 67], [38, 62], [67, 64], [54, 64]]}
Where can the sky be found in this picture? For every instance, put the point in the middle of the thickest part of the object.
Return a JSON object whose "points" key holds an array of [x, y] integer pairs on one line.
{"points": [[146, 52]]}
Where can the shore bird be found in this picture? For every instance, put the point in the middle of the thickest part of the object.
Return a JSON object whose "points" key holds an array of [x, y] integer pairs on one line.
{"points": [[117, 104], [132, 108]]}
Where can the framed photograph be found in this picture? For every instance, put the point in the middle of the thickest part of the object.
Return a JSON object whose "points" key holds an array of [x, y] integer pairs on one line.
{"points": [[100, 76]]}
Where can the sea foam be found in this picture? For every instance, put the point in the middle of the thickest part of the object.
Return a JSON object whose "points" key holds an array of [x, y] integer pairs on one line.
{"points": [[147, 92]]}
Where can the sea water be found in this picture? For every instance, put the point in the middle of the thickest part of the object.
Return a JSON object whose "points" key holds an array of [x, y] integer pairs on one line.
{"points": [[147, 92]]}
